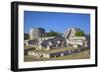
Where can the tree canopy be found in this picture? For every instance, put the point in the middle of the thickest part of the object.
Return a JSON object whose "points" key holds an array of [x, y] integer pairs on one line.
{"points": [[26, 36], [79, 33], [52, 33]]}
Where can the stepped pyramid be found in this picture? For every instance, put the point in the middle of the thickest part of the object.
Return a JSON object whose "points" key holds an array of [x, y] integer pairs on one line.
{"points": [[70, 32]]}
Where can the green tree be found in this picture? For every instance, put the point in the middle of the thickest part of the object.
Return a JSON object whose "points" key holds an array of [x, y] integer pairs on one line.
{"points": [[26, 36], [52, 33], [79, 33]]}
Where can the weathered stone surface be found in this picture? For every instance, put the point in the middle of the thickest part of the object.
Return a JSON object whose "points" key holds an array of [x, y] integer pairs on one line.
{"points": [[36, 33], [70, 32], [44, 45]]}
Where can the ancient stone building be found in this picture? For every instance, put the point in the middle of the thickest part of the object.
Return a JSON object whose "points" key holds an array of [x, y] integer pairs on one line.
{"points": [[36, 33], [70, 32], [49, 47], [73, 40]]}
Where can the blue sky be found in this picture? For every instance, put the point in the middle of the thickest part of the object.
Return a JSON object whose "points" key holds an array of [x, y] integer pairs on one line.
{"points": [[56, 21]]}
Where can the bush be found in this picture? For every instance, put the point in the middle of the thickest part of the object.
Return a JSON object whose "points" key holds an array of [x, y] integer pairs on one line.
{"points": [[26, 36], [79, 33], [52, 33]]}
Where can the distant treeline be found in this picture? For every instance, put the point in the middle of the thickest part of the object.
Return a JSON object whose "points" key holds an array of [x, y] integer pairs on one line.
{"points": [[52, 33]]}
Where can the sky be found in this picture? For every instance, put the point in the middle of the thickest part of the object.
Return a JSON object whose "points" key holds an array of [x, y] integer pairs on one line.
{"points": [[56, 21]]}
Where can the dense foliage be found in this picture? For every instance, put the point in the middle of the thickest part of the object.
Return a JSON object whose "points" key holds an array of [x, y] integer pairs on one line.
{"points": [[79, 33], [26, 36], [52, 33]]}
